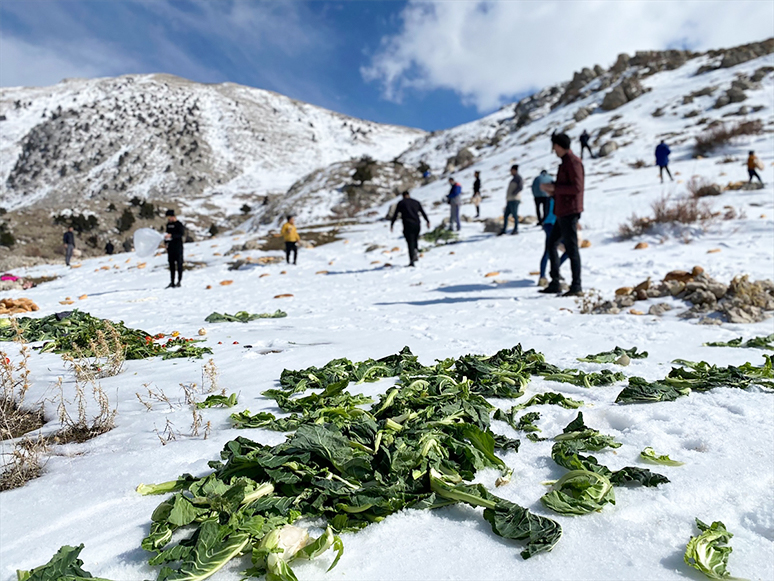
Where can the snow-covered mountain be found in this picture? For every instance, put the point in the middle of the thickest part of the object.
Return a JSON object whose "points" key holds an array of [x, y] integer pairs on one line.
{"points": [[161, 137]]}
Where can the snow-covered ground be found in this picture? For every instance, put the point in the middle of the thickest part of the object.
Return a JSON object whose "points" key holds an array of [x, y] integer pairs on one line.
{"points": [[447, 306]]}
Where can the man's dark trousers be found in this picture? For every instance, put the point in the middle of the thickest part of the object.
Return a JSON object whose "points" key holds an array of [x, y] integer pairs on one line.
{"points": [[411, 234], [175, 258], [566, 228]]}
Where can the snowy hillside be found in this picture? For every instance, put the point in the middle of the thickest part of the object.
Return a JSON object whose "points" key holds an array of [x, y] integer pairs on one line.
{"points": [[354, 298], [163, 137]]}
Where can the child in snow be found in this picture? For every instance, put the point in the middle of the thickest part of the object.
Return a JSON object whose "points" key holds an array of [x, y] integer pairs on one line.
{"points": [[754, 163], [290, 236]]}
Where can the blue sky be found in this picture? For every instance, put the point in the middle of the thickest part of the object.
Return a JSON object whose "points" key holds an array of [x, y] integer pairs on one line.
{"points": [[423, 64]]}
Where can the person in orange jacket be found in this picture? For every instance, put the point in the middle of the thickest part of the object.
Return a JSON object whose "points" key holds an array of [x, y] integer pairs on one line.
{"points": [[290, 236], [754, 163]]}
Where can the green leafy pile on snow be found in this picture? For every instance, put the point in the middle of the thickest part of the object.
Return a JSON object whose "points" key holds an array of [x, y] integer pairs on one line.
{"points": [[418, 447], [618, 355], [699, 376], [649, 455], [67, 331], [764, 342], [709, 551], [63, 566], [588, 487], [243, 316], [440, 235]]}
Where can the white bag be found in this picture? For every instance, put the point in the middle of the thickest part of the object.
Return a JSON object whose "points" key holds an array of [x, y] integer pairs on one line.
{"points": [[146, 241]]}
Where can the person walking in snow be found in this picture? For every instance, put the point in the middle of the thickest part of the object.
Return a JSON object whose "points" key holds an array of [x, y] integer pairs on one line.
{"points": [[753, 163], [69, 243], [548, 226], [410, 210], [290, 236], [174, 240], [454, 198], [541, 198], [476, 199], [662, 160], [567, 192], [512, 200], [584, 141]]}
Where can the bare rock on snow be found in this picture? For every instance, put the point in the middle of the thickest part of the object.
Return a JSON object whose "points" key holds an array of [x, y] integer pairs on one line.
{"points": [[628, 90], [659, 309], [463, 159], [607, 148], [582, 113]]}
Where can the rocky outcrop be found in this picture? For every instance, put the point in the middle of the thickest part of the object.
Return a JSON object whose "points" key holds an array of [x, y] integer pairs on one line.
{"points": [[730, 57], [607, 148], [711, 301], [626, 91], [463, 159]]}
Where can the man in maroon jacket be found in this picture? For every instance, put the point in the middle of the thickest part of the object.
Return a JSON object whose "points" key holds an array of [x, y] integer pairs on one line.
{"points": [[567, 192]]}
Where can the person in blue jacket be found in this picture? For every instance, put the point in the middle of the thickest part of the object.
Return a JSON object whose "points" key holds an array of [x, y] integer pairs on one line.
{"points": [[454, 198], [662, 160], [548, 225], [541, 198]]}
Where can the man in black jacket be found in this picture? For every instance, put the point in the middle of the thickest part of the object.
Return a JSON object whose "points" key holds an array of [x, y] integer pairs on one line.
{"points": [[69, 242], [409, 210], [174, 241]]}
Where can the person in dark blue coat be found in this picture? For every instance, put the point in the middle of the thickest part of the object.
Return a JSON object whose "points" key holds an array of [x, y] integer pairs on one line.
{"points": [[662, 160], [454, 197]]}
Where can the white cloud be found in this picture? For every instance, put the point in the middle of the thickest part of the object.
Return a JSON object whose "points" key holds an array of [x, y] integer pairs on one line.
{"points": [[25, 64], [489, 51]]}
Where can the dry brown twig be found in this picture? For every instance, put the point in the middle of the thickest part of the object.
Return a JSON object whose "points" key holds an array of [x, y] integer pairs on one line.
{"points": [[210, 374], [155, 395], [169, 433], [23, 463], [15, 418]]}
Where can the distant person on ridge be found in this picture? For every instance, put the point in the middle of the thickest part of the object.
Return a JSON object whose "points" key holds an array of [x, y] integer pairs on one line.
{"points": [[567, 193], [409, 210], [109, 248], [512, 200], [455, 199], [290, 236], [174, 241], [476, 199], [69, 243], [541, 198], [662, 160], [754, 163], [584, 141]]}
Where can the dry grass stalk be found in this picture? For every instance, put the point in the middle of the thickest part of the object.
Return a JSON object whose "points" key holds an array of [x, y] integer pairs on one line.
{"points": [[24, 463], [701, 188], [80, 429], [210, 378], [723, 134], [670, 212], [15, 419], [155, 395], [168, 434], [196, 422], [106, 356]]}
